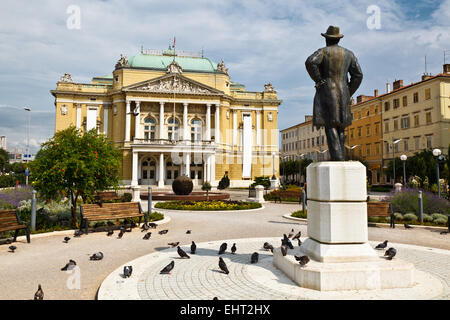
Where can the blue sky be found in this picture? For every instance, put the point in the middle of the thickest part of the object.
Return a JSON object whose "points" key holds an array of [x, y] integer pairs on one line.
{"points": [[260, 42]]}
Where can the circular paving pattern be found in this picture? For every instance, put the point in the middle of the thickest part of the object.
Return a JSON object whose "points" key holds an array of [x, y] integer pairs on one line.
{"points": [[200, 277]]}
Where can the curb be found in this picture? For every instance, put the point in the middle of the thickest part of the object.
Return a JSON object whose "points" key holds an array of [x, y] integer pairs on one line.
{"points": [[71, 231], [375, 224], [220, 211]]}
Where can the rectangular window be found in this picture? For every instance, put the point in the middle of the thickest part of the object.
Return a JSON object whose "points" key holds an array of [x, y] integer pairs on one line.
{"points": [[427, 94], [144, 174], [377, 128], [429, 142], [368, 130], [351, 133], [405, 122], [318, 141], [377, 148], [312, 142], [406, 145], [416, 97], [386, 126], [169, 174], [395, 124], [416, 120], [192, 174], [386, 106], [359, 131], [428, 117], [396, 147], [396, 103], [405, 101], [386, 144], [417, 143], [368, 149]]}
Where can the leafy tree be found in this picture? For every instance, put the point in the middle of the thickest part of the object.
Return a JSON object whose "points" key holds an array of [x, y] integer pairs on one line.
{"points": [[4, 158], [75, 165], [206, 187]]}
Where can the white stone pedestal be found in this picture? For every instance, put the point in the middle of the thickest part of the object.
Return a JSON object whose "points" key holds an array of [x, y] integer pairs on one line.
{"points": [[341, 257], [259, 191], [136, 193]]}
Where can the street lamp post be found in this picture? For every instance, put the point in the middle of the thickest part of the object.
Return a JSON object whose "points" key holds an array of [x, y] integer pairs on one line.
{"points": [[300, 168], [403, 157], [273, 166], [28, 142], [394, 142], [437, 153]]}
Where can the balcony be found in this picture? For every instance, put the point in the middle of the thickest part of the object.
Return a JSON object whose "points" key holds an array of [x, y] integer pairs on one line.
{"points": [[168, 142]]}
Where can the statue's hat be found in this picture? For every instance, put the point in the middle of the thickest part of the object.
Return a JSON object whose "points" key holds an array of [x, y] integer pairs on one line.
{"points": [[332, 33]]}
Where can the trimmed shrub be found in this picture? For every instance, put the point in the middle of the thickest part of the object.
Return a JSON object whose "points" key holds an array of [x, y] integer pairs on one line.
{"points": [[204, 205], [398, 216], [300, 214], [427, 218], [410, 217], [182, 185], [155, 216], [440, 221], [127, 197], [224, 183], [437, 216]]}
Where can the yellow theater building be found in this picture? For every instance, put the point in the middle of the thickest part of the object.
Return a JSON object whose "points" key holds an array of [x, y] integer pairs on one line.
{"points": [[175, 113]]}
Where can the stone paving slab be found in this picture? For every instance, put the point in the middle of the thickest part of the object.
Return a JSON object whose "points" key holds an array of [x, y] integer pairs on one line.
{"points": [[200, 278]]}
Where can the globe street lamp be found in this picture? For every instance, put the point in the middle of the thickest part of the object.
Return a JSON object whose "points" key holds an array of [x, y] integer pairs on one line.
{"points": [[403, 157], [437, 153]]}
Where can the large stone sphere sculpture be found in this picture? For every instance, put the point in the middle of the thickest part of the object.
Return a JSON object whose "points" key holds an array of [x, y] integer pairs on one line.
{"points": [[182, 185]]}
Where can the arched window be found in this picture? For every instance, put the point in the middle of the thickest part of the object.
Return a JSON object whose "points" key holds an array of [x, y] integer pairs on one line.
{"points": [[172, 129], [149, 129], [196, 130]]}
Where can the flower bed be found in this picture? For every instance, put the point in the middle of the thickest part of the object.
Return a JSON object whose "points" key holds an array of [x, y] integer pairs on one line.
{"points": [[299, 214], [10, 198], [207, 205]]}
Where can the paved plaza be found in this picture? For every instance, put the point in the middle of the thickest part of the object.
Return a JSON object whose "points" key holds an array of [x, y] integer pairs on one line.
{"points": [[40, 261]]}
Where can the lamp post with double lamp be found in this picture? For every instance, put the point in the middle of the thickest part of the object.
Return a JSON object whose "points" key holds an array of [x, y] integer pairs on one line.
{"points": [[300, 157], [284, 168], [437, 153], [351, 150], [403, 157]]}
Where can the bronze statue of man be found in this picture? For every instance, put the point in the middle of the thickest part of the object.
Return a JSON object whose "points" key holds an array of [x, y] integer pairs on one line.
{"points": [[328, 67]]}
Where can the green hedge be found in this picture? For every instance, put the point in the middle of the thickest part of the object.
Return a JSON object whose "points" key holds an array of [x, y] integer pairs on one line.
{"points": [[202, 205]]}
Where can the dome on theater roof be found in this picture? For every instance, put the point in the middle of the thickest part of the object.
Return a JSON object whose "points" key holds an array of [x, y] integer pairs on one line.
{"points": [[161, 60]]}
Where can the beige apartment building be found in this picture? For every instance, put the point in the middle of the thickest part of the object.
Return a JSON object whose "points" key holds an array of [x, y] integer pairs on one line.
{"points": [[304, 140]]}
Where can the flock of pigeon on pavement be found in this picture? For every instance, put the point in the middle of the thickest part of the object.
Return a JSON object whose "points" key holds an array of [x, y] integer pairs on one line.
{"points": [[286, 244]]}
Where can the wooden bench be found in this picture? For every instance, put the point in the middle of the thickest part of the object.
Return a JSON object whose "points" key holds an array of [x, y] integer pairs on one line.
{"points": [[106, 196], [9, 220], [381, 209], [110, 211]]}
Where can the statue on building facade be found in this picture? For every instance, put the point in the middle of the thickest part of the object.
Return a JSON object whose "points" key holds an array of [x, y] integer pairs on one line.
{"points": [[328, 68], [268, 87], [122, 62], [221, 67], [67, 77]]}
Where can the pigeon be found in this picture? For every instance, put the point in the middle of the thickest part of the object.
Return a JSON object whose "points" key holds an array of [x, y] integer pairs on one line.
{"points": [[299, 242], [223, 248], [223, 266], [121, 234], [303, 260], [163, 231], [407, 226], [382, 245], [152, 225], [147, 236], [97, 256], [39, 295], [69, 266], [285, 241], [110, 233], [127, 270], [188, 232], [193, 247], [144, 227], [168, 268], [291, 234], [283, 250], [254, 258], [268, 246], [233, 248], [66, 239], [182, 253], [174, 244], [12, 248], [297, 236], [78, 233], [390, 253]]}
